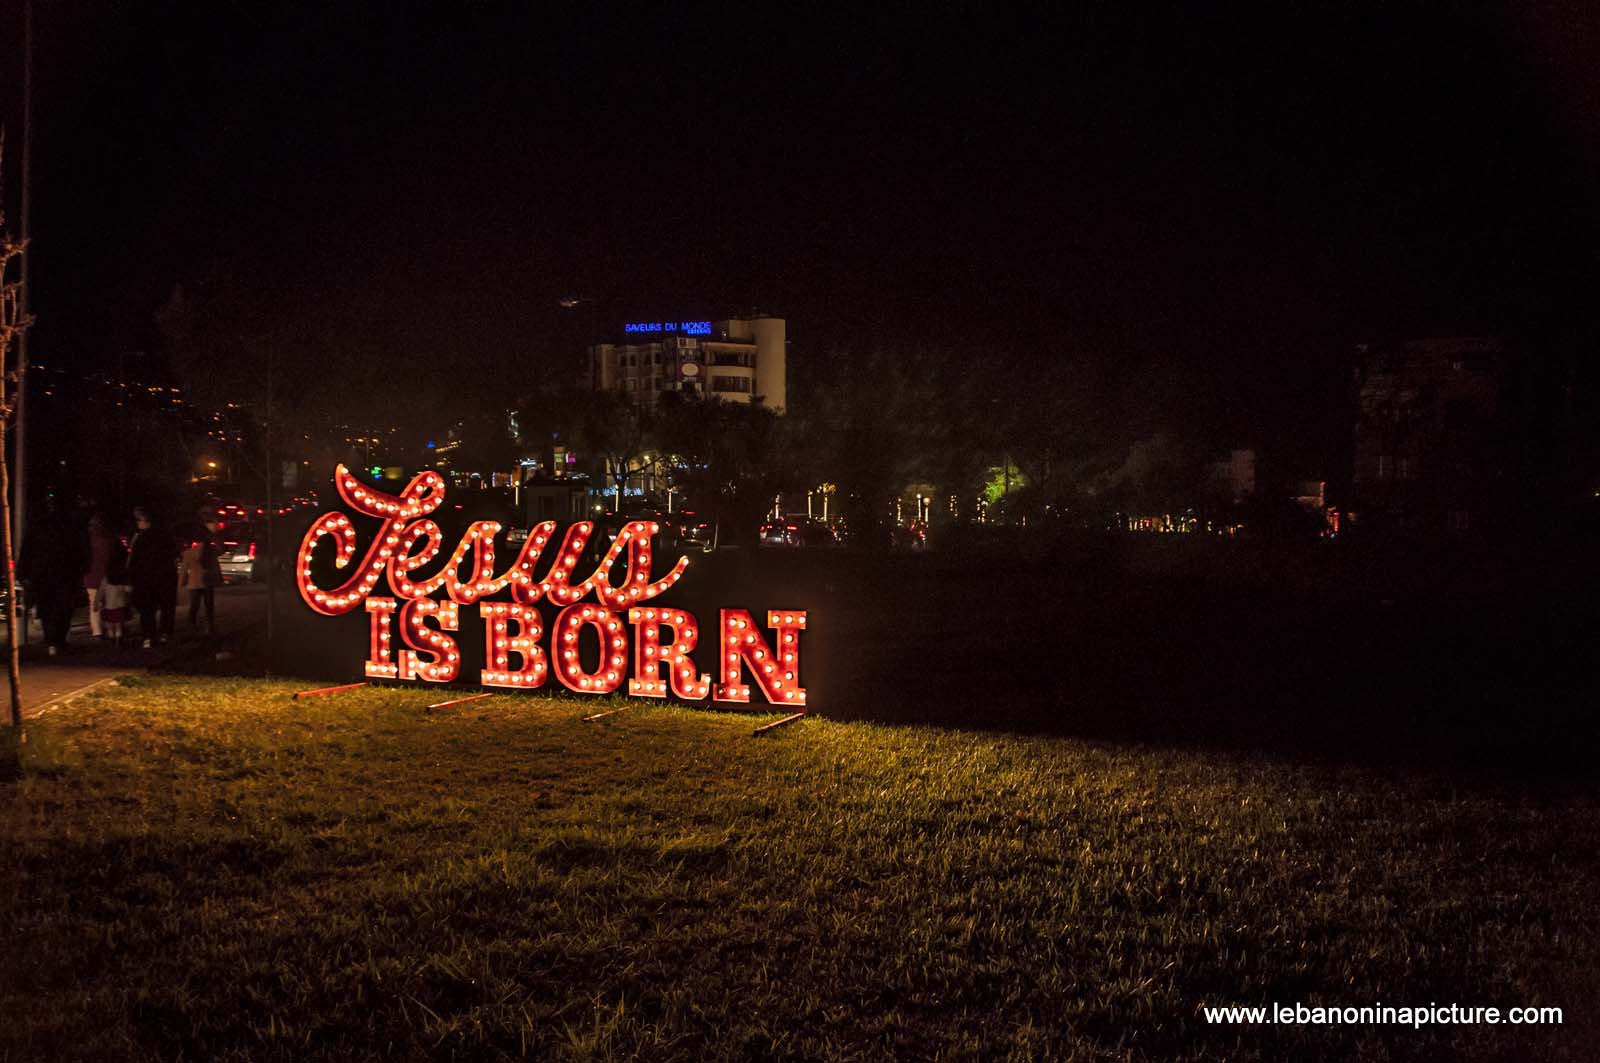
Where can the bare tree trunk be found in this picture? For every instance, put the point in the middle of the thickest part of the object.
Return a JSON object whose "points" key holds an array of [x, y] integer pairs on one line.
{"points": [[13, 320], [272, 518], [13, 659]]}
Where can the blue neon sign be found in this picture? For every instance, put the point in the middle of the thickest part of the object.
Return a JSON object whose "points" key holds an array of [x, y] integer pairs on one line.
{"points": [[687, 328]]}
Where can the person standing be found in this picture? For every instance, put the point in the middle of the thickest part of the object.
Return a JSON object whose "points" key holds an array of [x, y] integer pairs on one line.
{"points": [[202, 571], [153, 575], [52, 565], [100, 545], [115, 595]]}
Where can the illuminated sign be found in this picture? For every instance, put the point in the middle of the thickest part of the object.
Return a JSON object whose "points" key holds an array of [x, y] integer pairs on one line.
{"points": [[687, 328], [410, 629]]}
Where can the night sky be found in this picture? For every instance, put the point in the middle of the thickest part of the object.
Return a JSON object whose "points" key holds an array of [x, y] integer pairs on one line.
{"points": [[1233, 197]]}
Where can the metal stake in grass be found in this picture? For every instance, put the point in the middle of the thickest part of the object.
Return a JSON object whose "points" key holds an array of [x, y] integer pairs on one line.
{"points": [[764, 728], [328, 690], [603, 715], [459, 701]]}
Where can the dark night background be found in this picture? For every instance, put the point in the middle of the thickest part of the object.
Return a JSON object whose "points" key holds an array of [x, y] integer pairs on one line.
{"points": [[1225, 200], [1150, 732]]}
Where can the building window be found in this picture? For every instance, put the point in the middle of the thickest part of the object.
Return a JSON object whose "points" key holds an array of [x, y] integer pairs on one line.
{"points": [[737, 384]]}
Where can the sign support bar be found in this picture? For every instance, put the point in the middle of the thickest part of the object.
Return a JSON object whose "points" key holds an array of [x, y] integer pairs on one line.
{"points": [[328, 690], [764, 728], [459, 701]]}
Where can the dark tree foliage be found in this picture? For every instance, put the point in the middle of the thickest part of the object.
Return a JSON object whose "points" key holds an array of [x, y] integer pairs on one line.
{"points": [[231, 344], [892, 420]]}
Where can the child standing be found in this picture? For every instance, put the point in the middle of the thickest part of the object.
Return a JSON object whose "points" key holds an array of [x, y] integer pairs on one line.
{"points": [[101, 545], [115, 595]]}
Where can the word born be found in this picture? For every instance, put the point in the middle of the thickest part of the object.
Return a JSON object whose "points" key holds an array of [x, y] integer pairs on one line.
{"points": [[407, 541]]}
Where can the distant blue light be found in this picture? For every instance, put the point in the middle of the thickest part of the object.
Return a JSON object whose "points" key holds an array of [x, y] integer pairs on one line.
{"points": [[430, 444], [688, 328]]}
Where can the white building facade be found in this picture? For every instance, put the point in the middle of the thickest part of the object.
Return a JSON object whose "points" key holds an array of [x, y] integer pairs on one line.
{"points": [[742, 359]]}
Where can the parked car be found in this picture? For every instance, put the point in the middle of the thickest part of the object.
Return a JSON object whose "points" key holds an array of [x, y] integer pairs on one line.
{"points": [[912, 535], [667, 538], [696, 531], [796, 533], [236, 551]]}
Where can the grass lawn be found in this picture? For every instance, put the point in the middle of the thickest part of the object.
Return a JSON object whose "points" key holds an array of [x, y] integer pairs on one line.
{"points": [[207, 870]]}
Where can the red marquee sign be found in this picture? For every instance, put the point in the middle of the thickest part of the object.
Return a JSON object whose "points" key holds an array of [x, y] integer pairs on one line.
{"points": [[411, 629]]}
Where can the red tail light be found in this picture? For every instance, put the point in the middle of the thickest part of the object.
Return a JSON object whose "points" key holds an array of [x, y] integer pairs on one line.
{"points": [[792, 527], [252, 551]]}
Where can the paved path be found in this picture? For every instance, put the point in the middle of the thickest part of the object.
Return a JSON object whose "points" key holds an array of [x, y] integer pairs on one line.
{"points": [[48, 689], [50, 682]]}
